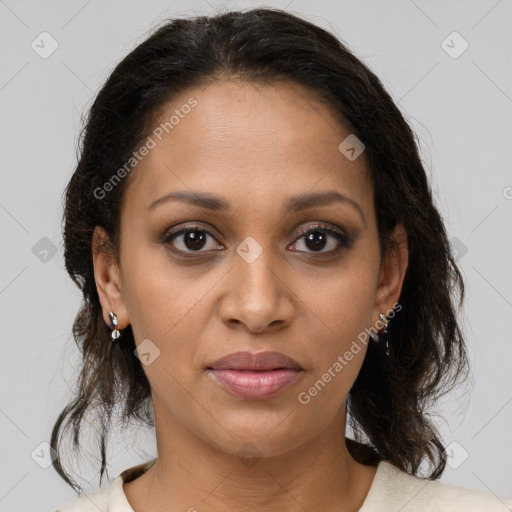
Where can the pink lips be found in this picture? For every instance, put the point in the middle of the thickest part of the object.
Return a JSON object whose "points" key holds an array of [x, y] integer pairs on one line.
{"points": [[255, 376]]}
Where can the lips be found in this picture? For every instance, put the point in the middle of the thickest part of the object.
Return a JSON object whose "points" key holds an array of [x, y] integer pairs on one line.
{"points": [[269, 360], [255, 376]]}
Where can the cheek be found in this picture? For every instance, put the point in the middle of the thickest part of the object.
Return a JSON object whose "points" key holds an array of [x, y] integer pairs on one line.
{"points": [[342, 312], [170, 306], [160, 297], [335, 368], [345, 304]]}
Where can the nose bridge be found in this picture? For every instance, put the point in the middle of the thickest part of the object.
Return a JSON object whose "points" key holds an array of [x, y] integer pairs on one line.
{"points": [[257, 295], [254, 270]]}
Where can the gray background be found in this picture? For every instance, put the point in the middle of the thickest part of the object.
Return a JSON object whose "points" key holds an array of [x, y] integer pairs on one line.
{"points": [[461, 109]]}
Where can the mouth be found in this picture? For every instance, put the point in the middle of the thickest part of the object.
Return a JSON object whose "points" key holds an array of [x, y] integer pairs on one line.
{"points": [[255, 384], [268, 360], [255, 376]]}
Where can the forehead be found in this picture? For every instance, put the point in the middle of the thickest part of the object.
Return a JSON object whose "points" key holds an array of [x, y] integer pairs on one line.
{"points": [[271, 139]]}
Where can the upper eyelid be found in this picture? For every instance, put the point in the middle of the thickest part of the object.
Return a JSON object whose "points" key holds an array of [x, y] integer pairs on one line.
{"points": [[320, 225]]}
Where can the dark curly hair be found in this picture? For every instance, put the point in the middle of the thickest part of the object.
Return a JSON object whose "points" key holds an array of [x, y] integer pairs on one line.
{"points": [[388, 403]]}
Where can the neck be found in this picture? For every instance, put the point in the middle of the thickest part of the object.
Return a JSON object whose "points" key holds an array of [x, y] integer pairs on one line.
{"points": [[191, 473]]}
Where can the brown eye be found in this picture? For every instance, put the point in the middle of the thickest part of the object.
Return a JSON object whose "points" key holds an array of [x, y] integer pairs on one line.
{"points": [[190, 239], [318, 238], [194, 240]]}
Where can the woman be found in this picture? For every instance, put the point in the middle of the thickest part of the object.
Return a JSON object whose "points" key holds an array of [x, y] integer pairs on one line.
{"points": [[262, 266]]}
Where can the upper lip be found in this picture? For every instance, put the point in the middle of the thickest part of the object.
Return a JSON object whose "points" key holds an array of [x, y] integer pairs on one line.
{"points": [[269, 360]]}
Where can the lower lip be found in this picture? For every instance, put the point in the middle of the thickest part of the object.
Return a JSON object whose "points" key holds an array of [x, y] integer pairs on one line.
{"points": [[255, 385]]}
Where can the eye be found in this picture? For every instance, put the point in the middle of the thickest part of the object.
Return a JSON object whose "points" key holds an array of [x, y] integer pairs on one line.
{"points": [[193, 238], [190, 239], [317, 238]]}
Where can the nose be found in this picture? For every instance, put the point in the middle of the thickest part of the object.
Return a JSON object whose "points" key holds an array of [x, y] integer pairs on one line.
{"points": [[258, 296]]}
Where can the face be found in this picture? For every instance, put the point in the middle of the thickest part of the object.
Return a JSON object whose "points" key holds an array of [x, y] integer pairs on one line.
{"points": [[270, 270]]}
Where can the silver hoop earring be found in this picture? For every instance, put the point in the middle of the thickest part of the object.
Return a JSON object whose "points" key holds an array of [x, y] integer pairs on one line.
{"points": [[114, 322], [382, 336]]}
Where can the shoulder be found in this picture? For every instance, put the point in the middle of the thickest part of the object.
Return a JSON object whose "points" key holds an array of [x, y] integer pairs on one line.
{"points": [[394, 489], [97, 501], [110, 498]]}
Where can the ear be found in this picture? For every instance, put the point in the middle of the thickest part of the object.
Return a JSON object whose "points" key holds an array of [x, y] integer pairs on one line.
{"points": [[392, 273], [108, 282]]}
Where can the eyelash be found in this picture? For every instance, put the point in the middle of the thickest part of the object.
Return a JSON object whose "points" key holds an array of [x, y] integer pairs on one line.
{"points": [[344, 240]]}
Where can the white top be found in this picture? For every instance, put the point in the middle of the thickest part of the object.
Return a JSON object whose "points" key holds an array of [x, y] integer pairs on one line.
{"points": [[392, 490]]}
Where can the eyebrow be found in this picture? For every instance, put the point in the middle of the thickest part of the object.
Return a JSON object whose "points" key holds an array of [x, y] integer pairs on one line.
{"points": [[293, 204]]}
